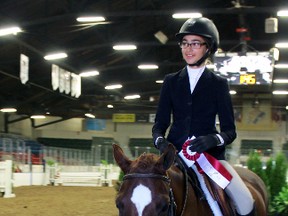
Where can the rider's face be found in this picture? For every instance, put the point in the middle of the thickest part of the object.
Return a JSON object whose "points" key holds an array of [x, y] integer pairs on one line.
{"points": [[192, 53]]}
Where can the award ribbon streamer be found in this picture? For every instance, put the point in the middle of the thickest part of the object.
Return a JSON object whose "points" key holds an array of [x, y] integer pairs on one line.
{"points": [[206, 164]]}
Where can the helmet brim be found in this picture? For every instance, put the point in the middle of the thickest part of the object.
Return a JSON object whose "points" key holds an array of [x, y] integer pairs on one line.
{"points": [[180, 36]]}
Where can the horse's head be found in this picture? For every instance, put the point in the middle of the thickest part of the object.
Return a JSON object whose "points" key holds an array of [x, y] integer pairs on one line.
{"points": [[145, 187]]}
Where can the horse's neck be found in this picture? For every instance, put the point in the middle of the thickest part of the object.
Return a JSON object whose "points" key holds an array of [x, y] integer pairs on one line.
{"points": [[186, 197]]}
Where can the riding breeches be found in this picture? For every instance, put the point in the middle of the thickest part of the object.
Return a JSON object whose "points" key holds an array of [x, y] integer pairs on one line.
{"points": [[238, 192]]}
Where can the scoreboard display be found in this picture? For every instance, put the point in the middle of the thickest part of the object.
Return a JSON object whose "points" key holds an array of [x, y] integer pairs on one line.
{"points": [[249, 69]]}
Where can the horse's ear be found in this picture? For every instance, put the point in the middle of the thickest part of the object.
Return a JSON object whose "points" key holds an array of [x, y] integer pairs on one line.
{"points": [[167, 158], [121, 159]]}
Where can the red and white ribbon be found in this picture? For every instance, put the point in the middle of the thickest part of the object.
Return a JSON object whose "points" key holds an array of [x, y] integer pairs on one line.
{"points": [[207, 164]]}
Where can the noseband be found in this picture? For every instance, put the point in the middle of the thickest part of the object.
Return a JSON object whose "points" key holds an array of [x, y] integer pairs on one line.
{"points": [[166, 179]]}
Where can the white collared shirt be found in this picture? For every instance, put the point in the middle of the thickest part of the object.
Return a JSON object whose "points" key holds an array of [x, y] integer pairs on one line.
{"points": [[194, 76]]}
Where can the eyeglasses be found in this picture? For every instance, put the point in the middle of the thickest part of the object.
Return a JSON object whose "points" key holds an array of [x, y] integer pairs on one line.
{"points": [[193, 44]]}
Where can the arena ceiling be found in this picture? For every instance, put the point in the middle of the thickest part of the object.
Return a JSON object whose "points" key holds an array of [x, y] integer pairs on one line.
{"points": [[51, 25]]}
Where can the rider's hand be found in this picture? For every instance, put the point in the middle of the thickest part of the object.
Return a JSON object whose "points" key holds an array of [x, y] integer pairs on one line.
{"points": [[161, 144], [203, 143]]}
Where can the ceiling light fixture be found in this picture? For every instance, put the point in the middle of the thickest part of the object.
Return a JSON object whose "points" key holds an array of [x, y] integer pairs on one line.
{"points": [[55, 56], [280, 81], [90, 115], [124, 47], [38, 117], [281, 66], [159, 81], [148, 66], [280, 92], [282, 45], [10, 30], [282, 13], [275, 53], [8, 110], [131, 97], [232, 92], [89, 73], [186, 15], [110, 106], [116, 86], [91, 19]]}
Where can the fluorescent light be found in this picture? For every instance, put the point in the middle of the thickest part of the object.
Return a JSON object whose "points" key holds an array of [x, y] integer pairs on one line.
{"points": [[91, 19], [89, 115], [10, 30], [130, 97], [282, 45], [116, 86], [280, 81], [38, 117], [89, 73], [282, 13], [55, 56], [275, 53], [125, 47], [110, 106], [159, 81], [232, 92], [8, 110], [280, 92], [281, 66], [148, 66], [186, 15]]}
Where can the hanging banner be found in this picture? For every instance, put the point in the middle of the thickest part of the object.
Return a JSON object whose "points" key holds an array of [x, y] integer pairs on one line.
{"points": [[75, 85], [67, 82], [24, 68], [55, 77], [61, 80]]}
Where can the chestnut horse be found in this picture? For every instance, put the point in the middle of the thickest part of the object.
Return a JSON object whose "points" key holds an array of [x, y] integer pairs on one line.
{"points": [[153, 186]]}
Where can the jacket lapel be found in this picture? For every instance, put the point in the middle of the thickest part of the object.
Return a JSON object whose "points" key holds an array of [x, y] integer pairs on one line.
{"points": [[183, 81], [203, 82]]}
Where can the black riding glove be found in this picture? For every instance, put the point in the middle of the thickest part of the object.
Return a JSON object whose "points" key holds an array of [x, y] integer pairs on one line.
{"points": [[203, 143], [161, 144]]}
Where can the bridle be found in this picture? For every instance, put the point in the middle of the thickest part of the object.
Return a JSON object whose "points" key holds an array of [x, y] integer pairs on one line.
{"points": [[147, 175], [166, 179]]}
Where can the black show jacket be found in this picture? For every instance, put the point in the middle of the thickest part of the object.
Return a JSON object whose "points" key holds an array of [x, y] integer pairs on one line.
{"points": [[195, 114]]}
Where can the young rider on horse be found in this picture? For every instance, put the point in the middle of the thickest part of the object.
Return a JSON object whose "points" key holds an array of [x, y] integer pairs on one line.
{"points": [[195, 95]]}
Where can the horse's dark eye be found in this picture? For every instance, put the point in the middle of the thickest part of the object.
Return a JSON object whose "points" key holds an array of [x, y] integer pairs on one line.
{"points": [[164, 208]]}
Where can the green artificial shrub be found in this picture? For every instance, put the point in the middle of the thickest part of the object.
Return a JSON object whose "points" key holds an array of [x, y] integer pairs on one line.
{"points": [[254, 164], [276, 170], [279, 205]]}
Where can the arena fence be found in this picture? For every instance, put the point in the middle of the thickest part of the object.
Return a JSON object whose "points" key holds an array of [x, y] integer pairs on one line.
{"points": [[67, 166]]}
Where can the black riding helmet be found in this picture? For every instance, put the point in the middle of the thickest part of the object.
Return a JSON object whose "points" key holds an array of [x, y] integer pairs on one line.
{"points": [[203, 27]]}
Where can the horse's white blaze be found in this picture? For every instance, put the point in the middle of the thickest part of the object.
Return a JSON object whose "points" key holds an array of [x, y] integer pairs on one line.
{"points": [[141, 197]]}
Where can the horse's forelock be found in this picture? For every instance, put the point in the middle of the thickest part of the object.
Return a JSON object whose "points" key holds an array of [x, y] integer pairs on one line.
{"points": [[146, 163]]}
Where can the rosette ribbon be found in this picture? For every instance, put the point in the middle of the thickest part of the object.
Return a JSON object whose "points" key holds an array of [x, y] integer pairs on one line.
{"points": [[206, 164]]}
